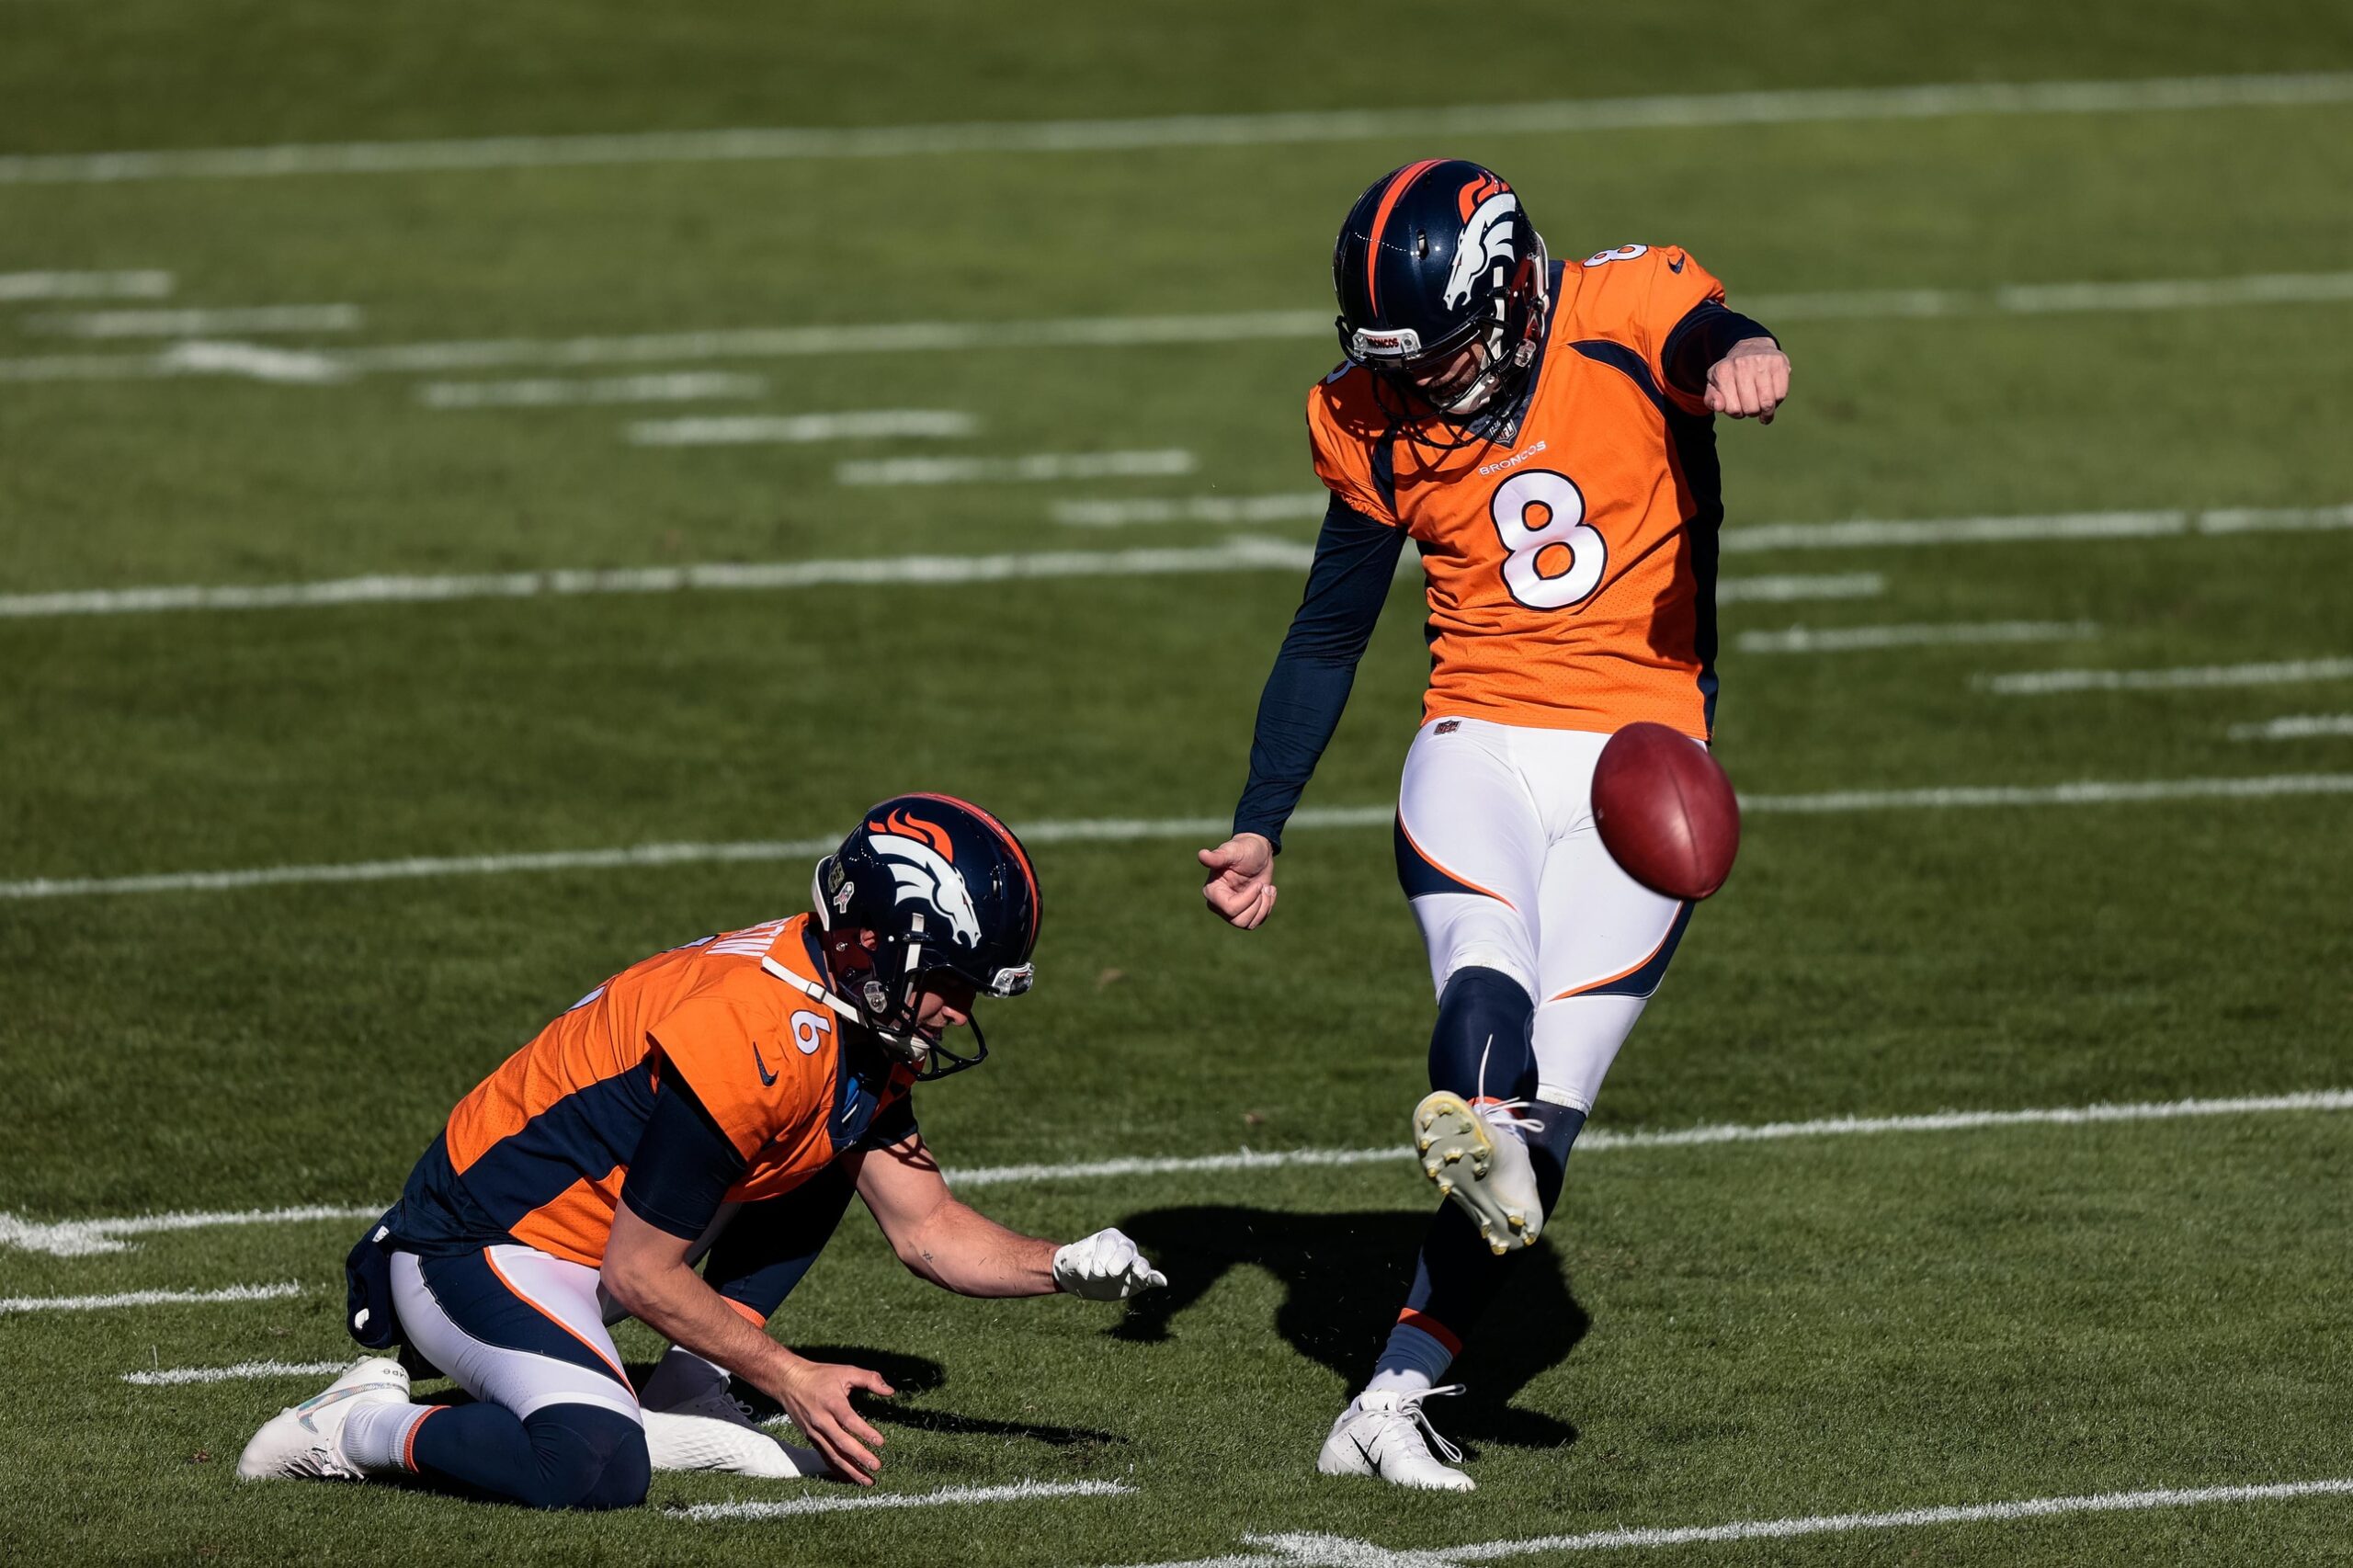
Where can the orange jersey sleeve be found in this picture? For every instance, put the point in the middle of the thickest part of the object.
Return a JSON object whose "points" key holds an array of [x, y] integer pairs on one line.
{"points": [[732, 1047], [1345, 431], [1637, 293]]}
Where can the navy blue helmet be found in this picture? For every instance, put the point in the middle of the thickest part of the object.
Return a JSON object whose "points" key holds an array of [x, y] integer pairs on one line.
{"points": [[946, 891], [1441, 278]]}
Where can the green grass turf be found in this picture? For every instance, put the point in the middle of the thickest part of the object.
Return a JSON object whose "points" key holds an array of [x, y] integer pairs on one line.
{"points": [[1712, 1334]]}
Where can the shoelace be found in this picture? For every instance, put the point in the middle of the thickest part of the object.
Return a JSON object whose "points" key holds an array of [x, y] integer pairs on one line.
{"points": [[1411, 1405], [1504, 1114]]}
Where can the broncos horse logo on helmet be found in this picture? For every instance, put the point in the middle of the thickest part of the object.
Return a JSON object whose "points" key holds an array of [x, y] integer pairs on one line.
{"points": [[1441, 278], [944, 889]]}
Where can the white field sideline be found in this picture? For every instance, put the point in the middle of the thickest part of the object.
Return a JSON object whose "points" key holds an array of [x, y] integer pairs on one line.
{"points": [[10, 1304], [1117, 830], [1302, 1551], [801, 429], [793, 1508], [1927, 101], [244, 1371], [200, 322], [1851, 639], [1238, 554], [1033, 469], [83, 1238], [685, 386], [2286, 671], [1243, 326], [18, 287], [2296, 727]]}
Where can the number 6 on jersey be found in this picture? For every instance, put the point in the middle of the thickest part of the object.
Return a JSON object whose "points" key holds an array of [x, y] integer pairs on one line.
{"points": [[1556, 558]]}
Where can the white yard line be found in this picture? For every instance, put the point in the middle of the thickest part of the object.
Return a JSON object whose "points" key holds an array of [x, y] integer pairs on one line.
{"points": [[256, 362], [1302, 506], [18, 287], [1242, 326], [685, 386], [82, 1238], [836, 1503], [1032, 469], [1115, 830], [1927, 101], [1847, 639], [198, 323], [146, 1299], [1243, 553], [174, 1377], [2288, 672], [801, 428], [1872, 532], [1297, 1550], [2296, 727]]}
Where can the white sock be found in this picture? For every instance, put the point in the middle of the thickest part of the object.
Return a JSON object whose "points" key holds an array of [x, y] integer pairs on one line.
{"points": [[1399, 1379], [375, 1437]]}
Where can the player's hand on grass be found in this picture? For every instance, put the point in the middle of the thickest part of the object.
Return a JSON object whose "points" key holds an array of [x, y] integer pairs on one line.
{"points": [[1750, 382], [816, 1395], [1242, 878], [1105, 1266]]}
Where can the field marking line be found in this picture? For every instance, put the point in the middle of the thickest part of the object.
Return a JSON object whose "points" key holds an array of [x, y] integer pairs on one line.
{"points": [[1032, 469], [256, 362], [1289, 507], [740, 430], [1124, 830], [146, 1299], [2284, 672], [1238, 326], [1847, 639], [176, 1377], [1658, 111], [792, 1508], [1870, 532], [82, 1238], [2295, 727], [683, 386], [1237, 554], [1302, 1550], [146, 284], [204, 323]]}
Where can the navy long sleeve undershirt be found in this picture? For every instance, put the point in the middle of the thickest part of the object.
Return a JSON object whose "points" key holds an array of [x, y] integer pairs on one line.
{"points": [[683, 1166], [1356, 560]]}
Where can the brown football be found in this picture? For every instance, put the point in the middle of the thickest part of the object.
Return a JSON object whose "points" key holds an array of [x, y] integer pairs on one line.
{"points": [[1665, 810]]}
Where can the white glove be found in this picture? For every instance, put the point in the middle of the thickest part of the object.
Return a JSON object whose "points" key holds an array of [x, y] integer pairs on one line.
{"points": [[1105, 1266]]}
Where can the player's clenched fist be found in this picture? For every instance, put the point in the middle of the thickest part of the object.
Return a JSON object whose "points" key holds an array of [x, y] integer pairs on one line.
{"points": [[1242, 878], [1105, 1266], [1750, 382]]}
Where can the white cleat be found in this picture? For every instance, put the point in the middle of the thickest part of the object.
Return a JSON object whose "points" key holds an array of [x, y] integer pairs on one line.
{"points": [[302, 1443], [1383, 1435], [1476, 1153], [693, 1423]]}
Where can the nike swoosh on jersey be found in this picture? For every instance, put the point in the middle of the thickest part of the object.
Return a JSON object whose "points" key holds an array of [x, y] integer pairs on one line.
{"points": [[1677, 264], [768, 1079]]}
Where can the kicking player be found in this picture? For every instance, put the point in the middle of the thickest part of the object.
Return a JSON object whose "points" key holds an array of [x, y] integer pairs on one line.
{"points": [[727, 1096], [1544, 435]]}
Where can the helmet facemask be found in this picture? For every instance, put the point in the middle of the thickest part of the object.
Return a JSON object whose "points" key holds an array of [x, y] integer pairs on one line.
{"points": [[884, 978], [1498, 346]]}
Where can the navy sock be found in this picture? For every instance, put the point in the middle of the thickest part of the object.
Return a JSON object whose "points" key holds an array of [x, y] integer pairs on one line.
{"points": [[1484, 1032], [562, 1455]]}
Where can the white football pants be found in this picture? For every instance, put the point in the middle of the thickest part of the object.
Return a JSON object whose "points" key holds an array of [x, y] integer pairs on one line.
{"points": [[1500, 859]]}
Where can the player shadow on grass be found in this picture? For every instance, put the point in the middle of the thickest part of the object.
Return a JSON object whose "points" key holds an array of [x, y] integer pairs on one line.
{"points": [[1344, 1277], [911, 1375]]}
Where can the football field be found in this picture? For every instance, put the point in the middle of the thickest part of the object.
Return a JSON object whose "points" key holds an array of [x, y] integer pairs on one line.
{"points": [[486, 493]]}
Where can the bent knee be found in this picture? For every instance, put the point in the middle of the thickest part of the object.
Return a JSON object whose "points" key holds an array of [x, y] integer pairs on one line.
{"points": [[622, 1482], [588, 1458]]}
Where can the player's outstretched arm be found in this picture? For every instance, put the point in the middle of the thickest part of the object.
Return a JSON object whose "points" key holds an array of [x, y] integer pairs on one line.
{"points": [[1241, 885], [1750, 382], [958, 1248], [646, 1273]]}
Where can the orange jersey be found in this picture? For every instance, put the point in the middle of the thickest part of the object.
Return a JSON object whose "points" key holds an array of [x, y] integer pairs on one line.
{"points": [[538, 1151], [1571, 559]]}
